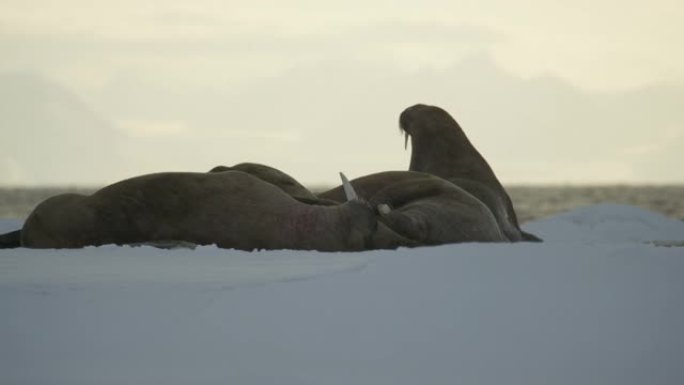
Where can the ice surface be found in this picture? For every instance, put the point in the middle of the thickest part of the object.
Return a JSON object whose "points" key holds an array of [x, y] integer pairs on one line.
{"points": [[594, 304], [7, 225], [608, 223]]}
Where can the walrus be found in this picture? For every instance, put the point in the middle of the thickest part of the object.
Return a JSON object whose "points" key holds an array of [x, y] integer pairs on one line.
{"points": [[276, 177], [440, 147], [266, 173], [424, 208], [231, 209]]}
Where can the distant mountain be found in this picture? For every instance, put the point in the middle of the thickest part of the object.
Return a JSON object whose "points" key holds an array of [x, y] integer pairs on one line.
{"points": [[339, 116], [50, 136], [531, 130]]}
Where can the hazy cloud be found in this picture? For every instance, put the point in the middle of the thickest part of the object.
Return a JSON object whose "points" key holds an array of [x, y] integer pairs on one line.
{"points": [[152, 128], [313, 122], [148, 86]]}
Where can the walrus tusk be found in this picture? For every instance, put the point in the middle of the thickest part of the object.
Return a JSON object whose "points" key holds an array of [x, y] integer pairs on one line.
{"points": [[384, 209], [406, 136], [349, 191]]}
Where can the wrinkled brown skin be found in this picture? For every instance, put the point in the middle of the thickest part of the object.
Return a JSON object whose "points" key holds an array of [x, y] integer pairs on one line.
{"points": [[268, 174], [424, 208], [231, 209], [440, 147], [277, 178], [369, 185]]}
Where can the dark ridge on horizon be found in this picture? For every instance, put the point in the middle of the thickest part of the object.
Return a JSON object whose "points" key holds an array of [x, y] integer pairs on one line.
{"points": [[531, 201]]}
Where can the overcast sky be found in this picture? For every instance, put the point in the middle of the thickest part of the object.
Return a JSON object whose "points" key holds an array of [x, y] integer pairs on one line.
{"points": [[549, 91]]}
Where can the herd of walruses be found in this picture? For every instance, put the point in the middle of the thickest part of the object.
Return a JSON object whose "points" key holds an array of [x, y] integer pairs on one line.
{"points": [[450, 194]]}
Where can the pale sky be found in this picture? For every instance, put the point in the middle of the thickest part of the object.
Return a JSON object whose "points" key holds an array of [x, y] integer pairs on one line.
{"points": [[549, 91]]}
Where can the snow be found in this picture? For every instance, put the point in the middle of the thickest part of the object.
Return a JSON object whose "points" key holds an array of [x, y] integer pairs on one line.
{"points": [[597, 303], [609, 223]]}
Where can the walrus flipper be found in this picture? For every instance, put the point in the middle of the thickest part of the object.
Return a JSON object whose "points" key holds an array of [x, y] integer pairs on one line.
{"points": [[407, 226], [399, 193], [530, 237], [11, 240]]}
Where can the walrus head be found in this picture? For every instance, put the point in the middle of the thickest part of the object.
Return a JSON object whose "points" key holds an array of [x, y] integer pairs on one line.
{"points": [[422, 121], [439, 145]]}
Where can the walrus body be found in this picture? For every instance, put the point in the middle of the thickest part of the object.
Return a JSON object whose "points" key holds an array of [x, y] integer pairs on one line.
{"points": [[275, 177], [285, 182], [232, 209], [369, 185], [441, 148], [424, 208]]}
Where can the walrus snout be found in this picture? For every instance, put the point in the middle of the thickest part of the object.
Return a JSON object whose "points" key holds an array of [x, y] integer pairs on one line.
{"points": [[407, 117], [412, 119]]}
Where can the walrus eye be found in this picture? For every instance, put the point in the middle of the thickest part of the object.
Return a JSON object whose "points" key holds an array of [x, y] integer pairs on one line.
{"points": [[349, 191]]}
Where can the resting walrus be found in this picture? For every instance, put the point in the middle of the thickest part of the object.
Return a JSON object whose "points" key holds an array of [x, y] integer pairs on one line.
{"points": [[266, 173], [440, 147], [275, 177], [424, 208], [231, 209]]}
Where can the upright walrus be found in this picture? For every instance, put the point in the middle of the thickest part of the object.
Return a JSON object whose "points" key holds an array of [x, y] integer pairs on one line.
{"points": [[440, 147], [231, 209]]}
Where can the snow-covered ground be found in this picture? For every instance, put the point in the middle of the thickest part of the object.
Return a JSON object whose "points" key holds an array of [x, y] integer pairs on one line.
{"points": [[600, 302]]}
